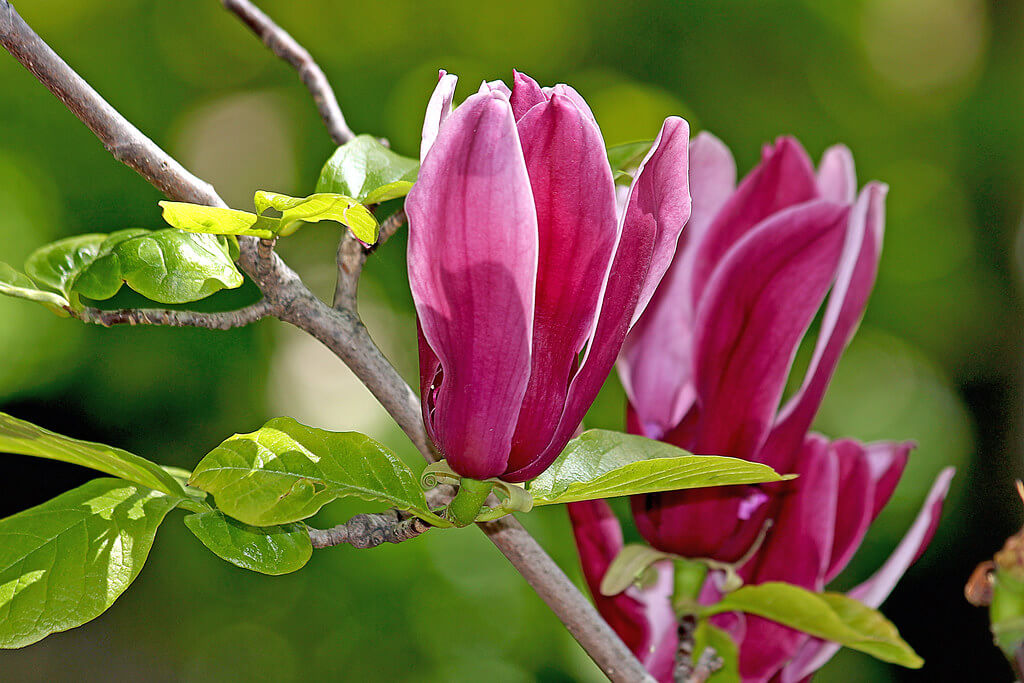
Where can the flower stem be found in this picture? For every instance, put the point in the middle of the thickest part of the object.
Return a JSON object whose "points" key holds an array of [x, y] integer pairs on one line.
{"points": [[466, 504]]}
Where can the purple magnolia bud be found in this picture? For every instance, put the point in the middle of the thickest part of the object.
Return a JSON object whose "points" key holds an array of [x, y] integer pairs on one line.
{"points": [[519, 261]]}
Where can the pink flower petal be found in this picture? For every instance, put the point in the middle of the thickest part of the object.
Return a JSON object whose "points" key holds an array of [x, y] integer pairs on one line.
{"points": [[643, 618], [472, 269], [657, 355], [837, 177], [797, 550], [758, 305], [438, 109], [784, 178], [526, 94], [816, 653], [575, 198], [855, 277], [649, 227], [854, 508]]}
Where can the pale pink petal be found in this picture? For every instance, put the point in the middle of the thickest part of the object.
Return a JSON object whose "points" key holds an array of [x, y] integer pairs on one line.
{"points": [[438, 109], [837, 177], [472, 269]]}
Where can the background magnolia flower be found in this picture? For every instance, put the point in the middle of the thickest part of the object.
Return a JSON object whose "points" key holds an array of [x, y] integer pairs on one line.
{"points": [[705, 369], [518, 263]]}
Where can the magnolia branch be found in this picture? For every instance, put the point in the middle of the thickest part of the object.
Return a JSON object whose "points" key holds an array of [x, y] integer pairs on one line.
{"points": [[370, 530], [155, 316], [340, 330], [287, 48], [352, 257]]}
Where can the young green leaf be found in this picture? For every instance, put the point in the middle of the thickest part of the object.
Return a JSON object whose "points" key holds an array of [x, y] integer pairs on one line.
{"points": [[830, 616], [629, 155], [270, 550], [320, 207], [168, 266], [57, 265], [66, 561], [706, 635], [606, 464], [286, 471], [368, 172], [13, 283], [214, 220], [628, 566], [25, 438]]}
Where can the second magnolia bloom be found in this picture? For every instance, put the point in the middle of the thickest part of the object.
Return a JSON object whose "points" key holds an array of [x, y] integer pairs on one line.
{"points": [[525, 275]]}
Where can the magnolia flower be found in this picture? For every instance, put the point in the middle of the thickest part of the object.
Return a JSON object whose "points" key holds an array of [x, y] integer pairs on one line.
{"points": [[524, 277], [705, 369]]}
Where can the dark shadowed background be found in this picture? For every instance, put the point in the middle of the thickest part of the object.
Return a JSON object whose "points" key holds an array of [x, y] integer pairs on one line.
{"points": [[927, 93]]}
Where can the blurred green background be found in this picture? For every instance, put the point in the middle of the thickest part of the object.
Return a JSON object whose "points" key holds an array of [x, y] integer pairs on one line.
{"points": [[927, 93]]}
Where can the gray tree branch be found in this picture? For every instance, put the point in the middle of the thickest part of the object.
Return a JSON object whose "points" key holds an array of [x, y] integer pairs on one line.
{"points": [[225, 320], [370, 530], [341, 331], [287, 48]]}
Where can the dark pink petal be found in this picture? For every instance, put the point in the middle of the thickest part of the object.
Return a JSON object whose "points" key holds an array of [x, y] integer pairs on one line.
{"points": [[656, 361], [854, 508], [576, 217], [784, 178], [757, 307], [526, 94], [643, 618], [653, 216], [855, 277], [797, 550], [472, 269], [699, 523], [798, 547], [873, 592], [887, 460], [837, 177], [438, 109]]}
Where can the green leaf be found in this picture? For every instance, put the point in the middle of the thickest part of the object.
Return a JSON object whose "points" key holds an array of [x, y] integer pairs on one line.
{"points": [[271, 550], [606, 464], [66, 561], [25, 438], [629, 566], [286, 471], [168, 266], [13, 283], [57, 265], [706, 635], [367, 171], [320, 207], [213, 220], [830, 616], [629, 155]]}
